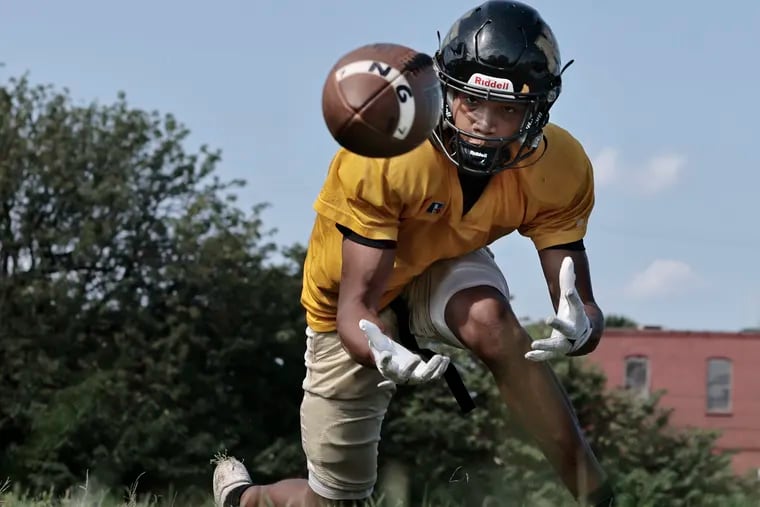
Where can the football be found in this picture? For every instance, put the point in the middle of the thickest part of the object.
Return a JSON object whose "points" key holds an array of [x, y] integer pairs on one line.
{"points": [[382, 100]]}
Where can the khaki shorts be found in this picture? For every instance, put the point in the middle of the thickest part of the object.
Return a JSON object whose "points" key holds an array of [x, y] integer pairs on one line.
{"points": [[342, 409]]}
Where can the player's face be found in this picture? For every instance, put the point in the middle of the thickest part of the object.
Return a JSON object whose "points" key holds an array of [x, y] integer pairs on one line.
{"points": [[487, 118]]}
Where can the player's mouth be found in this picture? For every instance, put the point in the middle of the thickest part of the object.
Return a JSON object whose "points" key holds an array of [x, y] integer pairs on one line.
{"points": [[481, 142]]}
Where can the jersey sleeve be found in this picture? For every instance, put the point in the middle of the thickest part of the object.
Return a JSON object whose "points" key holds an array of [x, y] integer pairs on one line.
{"points": [[359, 194], [563, 218]]}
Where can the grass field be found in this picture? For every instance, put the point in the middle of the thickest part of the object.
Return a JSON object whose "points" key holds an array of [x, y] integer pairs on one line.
{"points": [[86, 496]]}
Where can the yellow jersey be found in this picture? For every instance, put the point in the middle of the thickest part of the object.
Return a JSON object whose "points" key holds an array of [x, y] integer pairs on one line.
{"points": [[416, 200]]}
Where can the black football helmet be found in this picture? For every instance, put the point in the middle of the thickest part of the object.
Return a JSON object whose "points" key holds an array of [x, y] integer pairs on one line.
{"points": [[502, 51]]}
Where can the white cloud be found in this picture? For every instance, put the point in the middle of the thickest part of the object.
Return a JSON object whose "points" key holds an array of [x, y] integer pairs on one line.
{"points": [[656, 175], [606, 169], [663, 277], [660, 173]]}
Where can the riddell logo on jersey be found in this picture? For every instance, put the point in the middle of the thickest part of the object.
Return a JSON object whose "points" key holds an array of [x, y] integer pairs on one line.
{"points": [[494, 83]]}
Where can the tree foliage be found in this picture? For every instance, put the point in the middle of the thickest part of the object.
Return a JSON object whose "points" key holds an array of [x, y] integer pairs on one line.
{"points": [[144, 320], [614, 320]]}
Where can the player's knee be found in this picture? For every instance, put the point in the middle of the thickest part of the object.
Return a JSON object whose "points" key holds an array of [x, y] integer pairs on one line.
{"points": [[336, 494], [483, 320]]}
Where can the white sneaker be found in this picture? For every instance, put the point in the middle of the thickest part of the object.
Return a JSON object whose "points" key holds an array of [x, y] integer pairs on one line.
{"points": [[228, 475]]}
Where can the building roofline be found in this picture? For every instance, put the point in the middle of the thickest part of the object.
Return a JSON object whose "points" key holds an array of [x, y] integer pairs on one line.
{"points": [[655, 332]]}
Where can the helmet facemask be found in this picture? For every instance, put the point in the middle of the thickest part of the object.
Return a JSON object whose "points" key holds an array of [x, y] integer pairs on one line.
{"points": [[495, 153]]}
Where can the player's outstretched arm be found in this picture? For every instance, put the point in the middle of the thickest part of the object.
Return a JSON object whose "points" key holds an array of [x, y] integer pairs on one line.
{"points": [[364, 277], [579, 322]]}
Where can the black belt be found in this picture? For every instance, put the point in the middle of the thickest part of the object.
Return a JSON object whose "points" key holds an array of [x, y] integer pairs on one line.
{"points": [[407, 339]]}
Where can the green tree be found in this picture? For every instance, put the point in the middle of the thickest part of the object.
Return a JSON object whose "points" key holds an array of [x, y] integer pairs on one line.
{"points": [[614, 320], [145, 321]]}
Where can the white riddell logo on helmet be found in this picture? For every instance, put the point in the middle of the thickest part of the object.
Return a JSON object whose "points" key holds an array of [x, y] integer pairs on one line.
{"points": [[494, 83]]}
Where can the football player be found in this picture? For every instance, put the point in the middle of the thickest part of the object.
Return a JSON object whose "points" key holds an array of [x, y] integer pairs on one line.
{"points": [[413, 230]]}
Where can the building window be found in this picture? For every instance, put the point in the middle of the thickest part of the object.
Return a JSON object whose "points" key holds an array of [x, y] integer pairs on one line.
{"points": [[637, 375], [719, 385]]}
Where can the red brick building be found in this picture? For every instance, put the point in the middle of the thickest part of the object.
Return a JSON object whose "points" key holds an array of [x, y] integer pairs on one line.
{"points": [[712, 380]]}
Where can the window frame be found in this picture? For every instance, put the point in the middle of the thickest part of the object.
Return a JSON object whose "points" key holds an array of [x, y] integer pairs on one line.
{"points": [[645, 390], [728, 409]]}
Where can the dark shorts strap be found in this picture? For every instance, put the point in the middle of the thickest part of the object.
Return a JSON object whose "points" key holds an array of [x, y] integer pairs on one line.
{"points": [[407, 339]]}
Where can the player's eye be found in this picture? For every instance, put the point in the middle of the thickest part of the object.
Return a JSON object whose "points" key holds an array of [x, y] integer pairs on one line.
{"points": [[471, 101], [514, 109]]}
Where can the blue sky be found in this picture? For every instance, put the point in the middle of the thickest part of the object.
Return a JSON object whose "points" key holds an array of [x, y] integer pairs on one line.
{"points": [[662, 96]]}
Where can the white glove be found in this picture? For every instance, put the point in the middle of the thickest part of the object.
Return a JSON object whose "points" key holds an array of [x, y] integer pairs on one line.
{"points": [[571, 326], [397, 363]]}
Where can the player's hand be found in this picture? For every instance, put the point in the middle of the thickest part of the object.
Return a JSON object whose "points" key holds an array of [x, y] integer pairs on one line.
{"points": [[397, 363], [571, 327]]}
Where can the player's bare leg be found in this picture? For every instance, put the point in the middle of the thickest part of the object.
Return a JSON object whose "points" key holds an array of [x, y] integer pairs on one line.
{"points": [[288, 492], [233, 487], [484, 322]]}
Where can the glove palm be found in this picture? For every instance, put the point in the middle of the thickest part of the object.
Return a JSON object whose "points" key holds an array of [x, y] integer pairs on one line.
{"points": [[397, 363], [571, 327]]}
